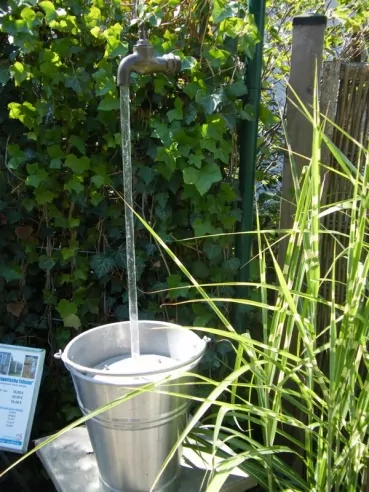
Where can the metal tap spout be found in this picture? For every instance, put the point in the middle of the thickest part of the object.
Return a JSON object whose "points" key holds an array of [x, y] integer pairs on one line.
{"points": [[144, 61]]}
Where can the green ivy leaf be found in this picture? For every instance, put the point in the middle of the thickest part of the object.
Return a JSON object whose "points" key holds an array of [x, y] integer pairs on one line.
{"points": [[191, 89], [102, 264], [208, 174], [190, 115], [78, 164], [108, 103], [68, 253], [120, 257], [177, 113], [166, 156], [93, 16], [19, 72], [188, 63], [29, 17], [79, 81], [200, 270], [202, 320], [25, 113], [17, 155], [236, 27], [65, 308], [237, 89], [70, 411], [210, 103], [114, 46], [96, 32], [160, 131], [266, 116], [44, 196], [98, 181], [248, 112], [78, 143], [28, 14], [191, 175], [46, 263], [96, 197], [173, 282], [196, 160], [156, 19], [247, 42], [72, 321], [212, 250], [55, 164], [29, 204], [214, 128], [49, 9], [75, 184], [147, 174], [37, 178], [55, 151], [10, 274], [4, 75], [74, 222], [162, 199], [232, 264], [66, 23], [203, 227], [222, 9], [217, 57]]}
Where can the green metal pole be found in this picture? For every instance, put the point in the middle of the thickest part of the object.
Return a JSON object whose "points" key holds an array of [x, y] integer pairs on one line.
{"points": [[248, 134]]}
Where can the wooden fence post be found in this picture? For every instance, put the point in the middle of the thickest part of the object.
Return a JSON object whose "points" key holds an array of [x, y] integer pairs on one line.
{"points": [[306, 58]]}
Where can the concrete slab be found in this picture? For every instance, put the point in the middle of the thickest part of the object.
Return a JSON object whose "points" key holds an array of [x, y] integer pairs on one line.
{"points": [[71, 465]]}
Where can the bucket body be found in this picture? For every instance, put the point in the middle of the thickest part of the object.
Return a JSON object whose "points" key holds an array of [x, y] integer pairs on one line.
{"points": [[132, 440]]}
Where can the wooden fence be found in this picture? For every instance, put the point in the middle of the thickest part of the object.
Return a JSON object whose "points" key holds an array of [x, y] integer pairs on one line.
{"points": [[345, 101]]}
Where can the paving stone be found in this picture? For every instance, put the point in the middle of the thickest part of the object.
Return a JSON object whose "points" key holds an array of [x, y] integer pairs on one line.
{"points": [[70, 462]]}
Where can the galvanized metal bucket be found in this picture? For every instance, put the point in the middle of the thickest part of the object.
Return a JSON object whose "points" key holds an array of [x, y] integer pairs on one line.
{"points": [[132, 440]]}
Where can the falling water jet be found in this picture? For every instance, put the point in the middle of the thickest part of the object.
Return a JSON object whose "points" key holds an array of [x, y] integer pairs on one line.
{"points": [[143, 61], [129, 218]]}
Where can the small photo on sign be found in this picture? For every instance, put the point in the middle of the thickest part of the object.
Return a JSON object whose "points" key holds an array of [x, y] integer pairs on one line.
{"points": [[16, 365], [29, 367], [5, 359]]}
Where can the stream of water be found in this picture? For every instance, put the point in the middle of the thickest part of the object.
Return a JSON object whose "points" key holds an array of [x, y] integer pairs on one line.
{"points": [[129, 217]]}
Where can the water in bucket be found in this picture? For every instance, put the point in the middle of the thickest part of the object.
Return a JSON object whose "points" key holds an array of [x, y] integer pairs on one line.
{"points": [[135, 365]]}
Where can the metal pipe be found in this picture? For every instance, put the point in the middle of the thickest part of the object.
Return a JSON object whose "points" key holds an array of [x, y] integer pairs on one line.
{"points": [[144, 61], [248, 134]]}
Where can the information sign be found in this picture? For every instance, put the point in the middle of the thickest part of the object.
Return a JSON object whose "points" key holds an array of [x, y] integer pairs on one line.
{"points": [[20, 377]]}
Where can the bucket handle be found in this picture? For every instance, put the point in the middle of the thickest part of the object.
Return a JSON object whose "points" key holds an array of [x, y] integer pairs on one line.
{"points": [[58, 355]]}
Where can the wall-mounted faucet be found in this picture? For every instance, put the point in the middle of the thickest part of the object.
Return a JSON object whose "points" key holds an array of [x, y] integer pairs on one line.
{"points": [[144, 61]]}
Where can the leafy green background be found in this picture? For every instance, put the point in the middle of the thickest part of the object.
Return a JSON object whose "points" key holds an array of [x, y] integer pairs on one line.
{"points": [[62, 241], [63, 262]]}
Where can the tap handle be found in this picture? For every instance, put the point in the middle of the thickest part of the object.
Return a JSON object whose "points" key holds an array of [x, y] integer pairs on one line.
{"points": [[143, 33]]}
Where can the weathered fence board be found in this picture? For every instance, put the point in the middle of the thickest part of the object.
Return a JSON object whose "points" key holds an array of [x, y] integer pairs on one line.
{"points": [[345, 102]]}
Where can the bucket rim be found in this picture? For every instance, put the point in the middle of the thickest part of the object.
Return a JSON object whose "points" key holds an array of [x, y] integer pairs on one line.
{"points": [[77, 368]]}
